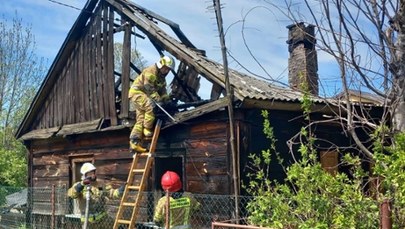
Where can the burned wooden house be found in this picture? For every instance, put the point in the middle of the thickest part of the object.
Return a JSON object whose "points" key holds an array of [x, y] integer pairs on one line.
{"points": [[81, 112]]}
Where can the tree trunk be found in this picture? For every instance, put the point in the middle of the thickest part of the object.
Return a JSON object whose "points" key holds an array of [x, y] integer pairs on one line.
{"points": [[398, 99]]}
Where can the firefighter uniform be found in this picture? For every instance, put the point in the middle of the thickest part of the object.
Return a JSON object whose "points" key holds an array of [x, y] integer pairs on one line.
{"points": [[148, 85], [181, 204], [180, 210], [98, 217], [146, 90]]}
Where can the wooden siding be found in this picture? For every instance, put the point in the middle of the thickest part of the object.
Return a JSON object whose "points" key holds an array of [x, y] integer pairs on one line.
{"points": [[208, 165], [52, 158], [84, 89]]}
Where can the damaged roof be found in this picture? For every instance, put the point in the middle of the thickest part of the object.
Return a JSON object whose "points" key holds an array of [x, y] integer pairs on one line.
{"points": [[248, 91]]}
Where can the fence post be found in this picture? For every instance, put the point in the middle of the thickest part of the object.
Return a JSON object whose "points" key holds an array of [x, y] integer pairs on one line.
{"points": [[385, 215], [53, 207], [167, 221]]}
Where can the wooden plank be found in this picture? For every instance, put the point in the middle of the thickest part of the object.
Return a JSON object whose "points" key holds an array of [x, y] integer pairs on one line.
{"points": [[86, 63], [199, 111], [104, 76], [209, 184], [216, 91], [50, 159], [110, 66], [74, 85], [51, 170], [90, 143], [57, 104], [80, 83], [45, 123], [12, 220], [126, 57], [99, 62], [208, 167], [113, 168], [88, 102], [206, 148], [68, 93], [63, 97], [114, 154], [40, 133], [47, 182], [209, 128], [50, 108], [78, 128], [90, 62]]}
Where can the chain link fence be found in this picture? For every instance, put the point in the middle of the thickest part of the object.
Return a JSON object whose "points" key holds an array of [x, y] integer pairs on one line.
{"points": [[51, 208]]}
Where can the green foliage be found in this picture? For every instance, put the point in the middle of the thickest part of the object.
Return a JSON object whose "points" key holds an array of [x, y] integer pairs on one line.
{"points": [[13, 165], [310, 197], [20, 76], [390, 168]]}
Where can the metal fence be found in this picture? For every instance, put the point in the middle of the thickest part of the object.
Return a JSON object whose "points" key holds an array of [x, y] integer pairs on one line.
{"points": [[51, 208]]}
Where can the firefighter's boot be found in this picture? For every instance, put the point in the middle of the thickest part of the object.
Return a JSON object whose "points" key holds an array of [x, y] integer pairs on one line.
{"points": [[135, 146]]}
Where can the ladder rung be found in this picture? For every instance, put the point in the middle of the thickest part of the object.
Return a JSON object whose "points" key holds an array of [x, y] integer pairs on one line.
{"points": [[128, 204], [145, 154], [123, 221], [133, 187], [138, 170]]}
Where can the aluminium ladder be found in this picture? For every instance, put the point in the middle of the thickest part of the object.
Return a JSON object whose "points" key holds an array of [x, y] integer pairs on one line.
{"points": [[136, 186]]}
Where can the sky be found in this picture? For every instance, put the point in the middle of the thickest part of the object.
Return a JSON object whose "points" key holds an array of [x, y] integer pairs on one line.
{"points": [[264, 30]]}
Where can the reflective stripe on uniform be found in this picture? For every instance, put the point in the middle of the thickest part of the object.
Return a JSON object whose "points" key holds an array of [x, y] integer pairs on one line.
{"points": [[180, 203], [185, 204], [131, 90], [94, 217]]}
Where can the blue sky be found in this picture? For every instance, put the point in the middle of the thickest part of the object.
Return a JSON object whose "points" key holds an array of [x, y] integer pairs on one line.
{"points": [[265, 30]]}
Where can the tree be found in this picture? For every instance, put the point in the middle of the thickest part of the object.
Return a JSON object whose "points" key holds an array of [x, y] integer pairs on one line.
{"points": [[20, 74], [136, 58], [367, 40]]}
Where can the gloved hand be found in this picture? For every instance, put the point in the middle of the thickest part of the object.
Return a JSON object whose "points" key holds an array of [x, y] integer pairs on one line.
{"points": [[121, 189], [79, 187], [152, 102]]}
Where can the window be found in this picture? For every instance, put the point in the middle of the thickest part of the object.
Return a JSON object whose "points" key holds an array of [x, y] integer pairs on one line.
{"points": [[76, 164], [329, 161]]}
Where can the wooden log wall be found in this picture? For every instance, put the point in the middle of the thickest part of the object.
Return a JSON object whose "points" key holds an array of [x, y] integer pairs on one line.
{"points": [[52, 159], [84, 88], [208, 164]]}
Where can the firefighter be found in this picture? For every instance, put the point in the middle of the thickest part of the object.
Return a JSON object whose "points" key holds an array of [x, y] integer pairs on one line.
{"points": [[181, 203], [97, 217], [146, 90]]}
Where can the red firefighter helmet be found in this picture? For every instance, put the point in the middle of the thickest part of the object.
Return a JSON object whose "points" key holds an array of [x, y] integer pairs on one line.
{"points": [[171, 182]]}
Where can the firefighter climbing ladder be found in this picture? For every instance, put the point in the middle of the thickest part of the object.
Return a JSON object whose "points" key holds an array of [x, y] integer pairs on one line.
{"points": [[137, 187]]}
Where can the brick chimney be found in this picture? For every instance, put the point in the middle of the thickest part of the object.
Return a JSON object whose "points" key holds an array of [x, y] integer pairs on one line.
{"points": [[303, 61]]}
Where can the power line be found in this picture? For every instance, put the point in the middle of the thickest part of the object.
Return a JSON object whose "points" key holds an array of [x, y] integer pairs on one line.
{"points": [[63, 4]]}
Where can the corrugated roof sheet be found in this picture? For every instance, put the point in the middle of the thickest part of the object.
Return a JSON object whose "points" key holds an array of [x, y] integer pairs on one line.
{"points": [[246, 86]]}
